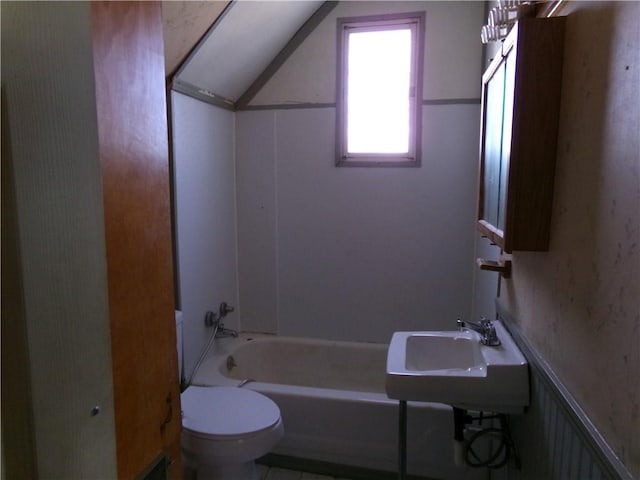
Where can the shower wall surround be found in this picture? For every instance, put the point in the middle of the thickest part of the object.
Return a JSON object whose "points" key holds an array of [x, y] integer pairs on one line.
{"points": [[353, 253], [205, 215]]}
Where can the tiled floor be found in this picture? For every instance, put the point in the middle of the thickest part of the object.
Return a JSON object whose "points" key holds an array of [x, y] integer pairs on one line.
{"points": [[275, 473]]}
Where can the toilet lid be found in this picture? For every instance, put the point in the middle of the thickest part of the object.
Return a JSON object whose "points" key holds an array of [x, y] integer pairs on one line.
{"points": [[227, 411]]}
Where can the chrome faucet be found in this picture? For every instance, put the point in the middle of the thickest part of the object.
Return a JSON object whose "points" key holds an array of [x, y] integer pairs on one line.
{"points": [[485, 328], [215, 320]]}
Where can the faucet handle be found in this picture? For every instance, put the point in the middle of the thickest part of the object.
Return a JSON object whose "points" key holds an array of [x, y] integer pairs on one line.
{"points": [[225, 309], [490, 336], [211, 319]]}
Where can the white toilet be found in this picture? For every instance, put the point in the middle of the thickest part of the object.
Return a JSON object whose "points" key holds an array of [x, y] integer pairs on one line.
{"points": [[224, 429]]}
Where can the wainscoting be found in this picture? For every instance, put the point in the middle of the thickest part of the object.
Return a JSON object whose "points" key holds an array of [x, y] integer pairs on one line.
{"points": [[555, 438]]}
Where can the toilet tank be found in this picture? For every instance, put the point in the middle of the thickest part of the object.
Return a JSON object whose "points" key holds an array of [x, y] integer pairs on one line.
{"points": [[179, 342]]}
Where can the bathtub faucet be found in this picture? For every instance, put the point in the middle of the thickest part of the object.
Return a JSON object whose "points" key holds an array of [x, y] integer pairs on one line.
{"points": [[212, 319], [485, 328]]}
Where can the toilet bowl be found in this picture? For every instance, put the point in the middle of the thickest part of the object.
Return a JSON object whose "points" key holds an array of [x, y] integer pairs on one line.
{"points": [[225, 429]]}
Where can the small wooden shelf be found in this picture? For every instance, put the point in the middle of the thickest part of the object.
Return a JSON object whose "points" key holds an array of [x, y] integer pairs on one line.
{"points": [[503, 266]]}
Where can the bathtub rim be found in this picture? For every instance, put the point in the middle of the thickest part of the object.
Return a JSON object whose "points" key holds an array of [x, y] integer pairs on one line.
{"points": [[210, 372]]}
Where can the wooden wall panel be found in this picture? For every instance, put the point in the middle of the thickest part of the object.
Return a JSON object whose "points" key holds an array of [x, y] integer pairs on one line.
{"points": [[131, 105]]}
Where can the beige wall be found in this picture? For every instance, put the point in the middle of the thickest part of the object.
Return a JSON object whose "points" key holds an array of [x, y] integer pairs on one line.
{"points": [[579, 303]]}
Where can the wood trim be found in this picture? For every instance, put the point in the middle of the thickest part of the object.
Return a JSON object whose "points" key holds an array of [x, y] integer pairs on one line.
{"points": [[503, 266], [309, 26], [192, 91], [304, 105], [289, 106], [494, 235], [452, 101], [170, 151], [132, 131]]}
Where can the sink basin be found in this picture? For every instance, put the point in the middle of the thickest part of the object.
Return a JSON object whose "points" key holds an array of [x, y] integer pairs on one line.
{"points": [[454, 367], [441, 351]]}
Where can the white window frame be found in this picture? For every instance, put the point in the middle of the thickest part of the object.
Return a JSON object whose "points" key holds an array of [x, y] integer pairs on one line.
{"points": [[416, 22]]}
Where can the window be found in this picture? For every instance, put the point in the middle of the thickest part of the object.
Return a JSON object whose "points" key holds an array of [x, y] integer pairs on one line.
{"points": [[379, 90]]}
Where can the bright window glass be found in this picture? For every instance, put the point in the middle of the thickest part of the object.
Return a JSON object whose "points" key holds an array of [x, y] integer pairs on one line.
{"points": [[379, 90]]}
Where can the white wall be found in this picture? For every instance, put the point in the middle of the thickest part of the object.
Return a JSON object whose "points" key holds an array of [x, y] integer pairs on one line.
{"points": [[257, 220], [204, 183], [486, 283], [354, 253]]}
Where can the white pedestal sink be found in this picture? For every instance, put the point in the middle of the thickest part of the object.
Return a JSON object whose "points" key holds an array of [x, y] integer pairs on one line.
{"points": [[455, 368]]}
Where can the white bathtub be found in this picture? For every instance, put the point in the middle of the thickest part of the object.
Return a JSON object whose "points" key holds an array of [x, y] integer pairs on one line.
{"points": [[333, 403]]}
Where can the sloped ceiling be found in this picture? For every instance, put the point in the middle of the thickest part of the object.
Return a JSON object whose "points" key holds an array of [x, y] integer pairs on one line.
{"points": [[184, 24], [244, 39]]}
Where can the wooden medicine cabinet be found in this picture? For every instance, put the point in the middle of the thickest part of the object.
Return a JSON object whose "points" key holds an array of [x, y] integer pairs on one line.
{"points": [[520, 106]]}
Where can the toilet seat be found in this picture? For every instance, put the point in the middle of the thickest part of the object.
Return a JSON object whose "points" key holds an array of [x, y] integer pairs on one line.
{"points": [[227, 412]]}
